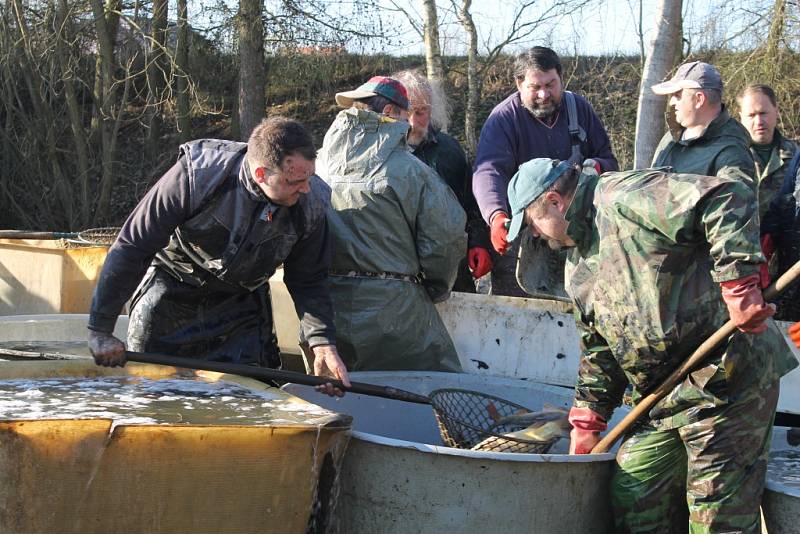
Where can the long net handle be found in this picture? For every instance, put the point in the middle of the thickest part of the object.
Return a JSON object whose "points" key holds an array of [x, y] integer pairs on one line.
{"points": [[102, 236], [26, 234], [274, 374], [718, 337]]}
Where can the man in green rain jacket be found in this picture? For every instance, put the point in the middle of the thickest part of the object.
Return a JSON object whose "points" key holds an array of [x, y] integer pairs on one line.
{"points": [[703, 138], [398, 236], [658, 263]]}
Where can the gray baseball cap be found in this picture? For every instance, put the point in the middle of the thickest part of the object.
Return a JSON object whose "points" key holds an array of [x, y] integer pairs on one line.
{"points": [[693, 75]]}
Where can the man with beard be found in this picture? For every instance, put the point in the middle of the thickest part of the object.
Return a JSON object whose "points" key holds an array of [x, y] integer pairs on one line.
{"points": [[398, 236], [534, 122], [657, 263], [428, 115]]}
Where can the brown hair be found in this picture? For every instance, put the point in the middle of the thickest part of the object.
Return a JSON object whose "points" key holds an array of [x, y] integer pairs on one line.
{"points": [[278, 137], [537, 58], [761, 88]]}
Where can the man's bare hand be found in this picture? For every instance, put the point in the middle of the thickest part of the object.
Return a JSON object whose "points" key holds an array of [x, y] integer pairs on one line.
{"points": [[107, 350], [328, 363]]}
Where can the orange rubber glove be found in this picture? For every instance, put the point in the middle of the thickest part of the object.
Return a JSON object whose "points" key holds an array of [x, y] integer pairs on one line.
{"points": [[794, 334], [499, 232], [479, 261], [586, 427], [746, 305], [768, 248]]}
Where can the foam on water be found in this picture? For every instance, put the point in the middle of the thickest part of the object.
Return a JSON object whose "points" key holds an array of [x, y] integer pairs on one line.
{"points": [[136, 400]]}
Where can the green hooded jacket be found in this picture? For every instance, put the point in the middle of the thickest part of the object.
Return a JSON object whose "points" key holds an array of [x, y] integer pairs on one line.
{"points": [[398, 236], [721, 150], [652, 248]]}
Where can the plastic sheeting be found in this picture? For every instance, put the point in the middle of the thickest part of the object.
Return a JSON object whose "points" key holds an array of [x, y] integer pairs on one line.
{"points": [[91, 476]]}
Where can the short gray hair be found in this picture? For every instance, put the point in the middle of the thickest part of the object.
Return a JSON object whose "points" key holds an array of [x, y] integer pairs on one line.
{"points": [[430, 91], [713, 96]]}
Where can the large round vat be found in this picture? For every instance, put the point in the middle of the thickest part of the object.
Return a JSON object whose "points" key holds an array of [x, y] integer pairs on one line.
{"points": [[398, 478], [781, 502]]}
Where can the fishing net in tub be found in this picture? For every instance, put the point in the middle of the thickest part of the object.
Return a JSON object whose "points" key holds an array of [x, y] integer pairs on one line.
{"points": [[478, 421]]}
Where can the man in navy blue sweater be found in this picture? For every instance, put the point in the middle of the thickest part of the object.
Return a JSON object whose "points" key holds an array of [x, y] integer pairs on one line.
{"points": [[531, 123]]}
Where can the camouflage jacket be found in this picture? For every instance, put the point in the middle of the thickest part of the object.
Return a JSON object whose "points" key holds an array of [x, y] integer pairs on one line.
{"points": [[721, 150], [651, 250], [770, 176]]}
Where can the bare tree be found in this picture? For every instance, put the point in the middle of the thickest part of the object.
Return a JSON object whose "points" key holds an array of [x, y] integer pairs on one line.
{"points": [[774, 50], [182, 82], [252, 77], [474, 82], [156, 75], [106, 24], [433, 53], [66, 60], [664, 53]]}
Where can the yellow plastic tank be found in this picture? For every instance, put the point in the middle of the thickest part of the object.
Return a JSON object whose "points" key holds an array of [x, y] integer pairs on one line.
{"points": [[47, 276], [86, 476]]}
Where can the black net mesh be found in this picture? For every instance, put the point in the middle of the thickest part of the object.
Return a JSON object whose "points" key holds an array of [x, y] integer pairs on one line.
{"points": [[469, 420]]}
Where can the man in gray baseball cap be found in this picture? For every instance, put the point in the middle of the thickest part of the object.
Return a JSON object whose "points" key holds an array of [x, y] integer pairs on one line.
{"points": [[692, 75], [703, 138]]}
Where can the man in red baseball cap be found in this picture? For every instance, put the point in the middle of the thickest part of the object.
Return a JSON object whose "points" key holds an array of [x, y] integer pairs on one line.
{"points": [[389, 92], [398, 236]]}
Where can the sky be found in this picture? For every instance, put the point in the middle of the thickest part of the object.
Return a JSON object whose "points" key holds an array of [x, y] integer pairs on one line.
{"points": [[604, 27]]}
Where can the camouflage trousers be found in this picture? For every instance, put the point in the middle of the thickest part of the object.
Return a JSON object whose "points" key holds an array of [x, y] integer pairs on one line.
{"points": [[716, 466]]}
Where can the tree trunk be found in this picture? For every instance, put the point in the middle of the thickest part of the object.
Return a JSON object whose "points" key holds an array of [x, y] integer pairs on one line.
{"points": [[43, 113], [106, 23], [774, 61], [252, 102], [473, 78], [664, 53], [156, 67], [433, 54], [182, 62], [75, 113]]}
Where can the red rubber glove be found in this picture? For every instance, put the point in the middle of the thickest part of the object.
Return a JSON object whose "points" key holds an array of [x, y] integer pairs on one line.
{"points": [[768, 248], [586, 427], [479, 260], [794, 334], [746, 305], [499, 232]]}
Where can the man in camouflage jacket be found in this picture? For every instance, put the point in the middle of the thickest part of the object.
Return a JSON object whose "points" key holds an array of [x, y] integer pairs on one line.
{"points": [[772, 154], [658, 263]]}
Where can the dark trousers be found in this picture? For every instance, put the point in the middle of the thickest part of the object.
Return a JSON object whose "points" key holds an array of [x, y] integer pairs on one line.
{"points": [[209, 323]]}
